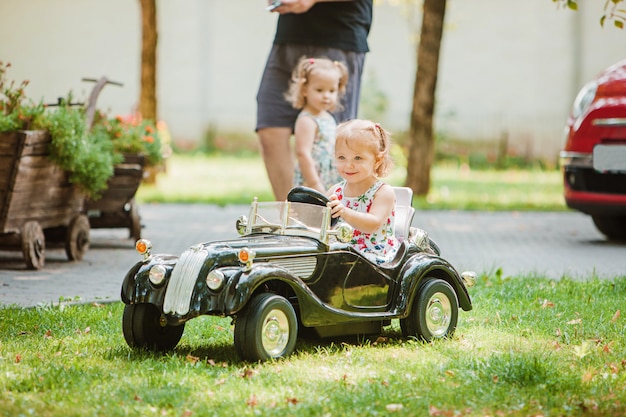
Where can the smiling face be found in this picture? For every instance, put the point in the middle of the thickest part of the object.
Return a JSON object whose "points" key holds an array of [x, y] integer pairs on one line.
{"points": [[321, 91], [356, 162]]}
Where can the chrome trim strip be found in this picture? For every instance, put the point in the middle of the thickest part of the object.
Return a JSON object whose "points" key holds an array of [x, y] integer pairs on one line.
{"points": [[575, 159], [610, 122], [183, 279]]}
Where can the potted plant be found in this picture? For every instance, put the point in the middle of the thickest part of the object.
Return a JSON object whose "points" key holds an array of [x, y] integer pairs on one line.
{"points": [[138, 141]]}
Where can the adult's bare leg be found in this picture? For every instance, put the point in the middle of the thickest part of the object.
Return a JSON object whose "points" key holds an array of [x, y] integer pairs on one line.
{"points": [[276, 151]]}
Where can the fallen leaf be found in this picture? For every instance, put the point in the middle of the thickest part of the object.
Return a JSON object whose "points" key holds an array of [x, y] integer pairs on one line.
{"points": [[186, 413], [248, 373], [220, 381], [588, 376], [293, 401], [192, 359], [547, 304], [48, 334], [18, 358], [558, 332], [575, 321], [582, 350], [392, 408], [252, 401], [615, 316]]}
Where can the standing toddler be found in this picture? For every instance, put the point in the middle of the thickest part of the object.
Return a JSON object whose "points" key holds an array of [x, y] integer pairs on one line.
{"points": [[315, 88]]}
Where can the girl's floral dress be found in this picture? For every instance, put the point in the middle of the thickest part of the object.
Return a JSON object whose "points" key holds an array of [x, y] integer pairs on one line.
{"points": [[323, 151], [380, 246]]}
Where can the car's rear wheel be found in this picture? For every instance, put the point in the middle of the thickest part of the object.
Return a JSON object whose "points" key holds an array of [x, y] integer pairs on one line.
{"points": [[613, 227], [266, 328], [143, 328], [434, 312]]}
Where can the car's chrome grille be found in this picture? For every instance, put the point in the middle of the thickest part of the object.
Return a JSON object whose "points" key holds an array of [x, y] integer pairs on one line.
{"points": [[301, 267], [183, 279]]}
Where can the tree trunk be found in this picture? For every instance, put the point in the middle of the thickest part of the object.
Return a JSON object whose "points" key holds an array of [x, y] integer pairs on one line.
{"points": [[422, 142], [147, 99]]}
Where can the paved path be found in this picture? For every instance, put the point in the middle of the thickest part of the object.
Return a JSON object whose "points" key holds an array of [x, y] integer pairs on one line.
{"points": [[539, 244]]}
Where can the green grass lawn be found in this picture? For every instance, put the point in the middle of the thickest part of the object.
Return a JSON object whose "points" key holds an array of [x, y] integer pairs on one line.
{"points": [[236, 180], [530, 347]]}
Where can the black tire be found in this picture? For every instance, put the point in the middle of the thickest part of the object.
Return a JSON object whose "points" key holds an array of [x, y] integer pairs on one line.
{"points": [[266, 328], [77, 238], [33, 245], [143, 330], [613, 227], [434, 312]]}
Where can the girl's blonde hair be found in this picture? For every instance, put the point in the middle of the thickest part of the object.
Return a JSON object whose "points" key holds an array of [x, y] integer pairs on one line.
{"points": [[358, 132], [305, 69]]}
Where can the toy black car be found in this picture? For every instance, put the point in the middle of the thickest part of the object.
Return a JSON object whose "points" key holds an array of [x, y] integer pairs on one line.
{"points": [[289, 272]]}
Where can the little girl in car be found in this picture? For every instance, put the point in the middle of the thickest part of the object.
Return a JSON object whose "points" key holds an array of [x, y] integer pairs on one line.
{"points": [[362, 200]]}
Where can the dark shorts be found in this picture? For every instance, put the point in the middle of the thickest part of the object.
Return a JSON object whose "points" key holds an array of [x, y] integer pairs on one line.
{"points": [[272, 108]]}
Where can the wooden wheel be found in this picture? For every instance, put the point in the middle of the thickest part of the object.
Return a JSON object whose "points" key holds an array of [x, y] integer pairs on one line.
{"points": [[77, 238], [33, 245], [135, 221]]}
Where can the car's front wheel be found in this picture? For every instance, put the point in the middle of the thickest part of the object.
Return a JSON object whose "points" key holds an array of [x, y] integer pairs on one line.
{"points": [[434, 312], [143, 328], [266, 328], [613, 227]]}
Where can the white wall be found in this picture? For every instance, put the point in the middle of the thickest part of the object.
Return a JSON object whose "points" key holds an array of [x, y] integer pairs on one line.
{"points": [[506, 66]]}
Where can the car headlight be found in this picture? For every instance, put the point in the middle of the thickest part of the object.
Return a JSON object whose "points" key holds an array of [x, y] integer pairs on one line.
{"points": [[157, 274], [584, 99], [214, 280]]}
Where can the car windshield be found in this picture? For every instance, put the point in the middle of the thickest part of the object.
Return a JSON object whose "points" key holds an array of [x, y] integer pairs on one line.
{"points": [[284, 217]]}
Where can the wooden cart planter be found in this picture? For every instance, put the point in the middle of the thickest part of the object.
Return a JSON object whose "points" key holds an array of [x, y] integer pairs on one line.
{"points": [[37, 202], [116, 207]]}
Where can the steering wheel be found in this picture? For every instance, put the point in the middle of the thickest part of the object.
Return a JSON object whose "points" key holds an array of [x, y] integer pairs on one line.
{"points": [[301, 194]]}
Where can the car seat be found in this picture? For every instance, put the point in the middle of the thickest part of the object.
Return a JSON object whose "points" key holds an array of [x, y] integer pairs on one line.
{"points": [[404, 212]]}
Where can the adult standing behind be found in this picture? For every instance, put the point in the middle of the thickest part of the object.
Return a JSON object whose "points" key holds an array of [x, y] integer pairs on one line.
{"points": [[336, 29]]}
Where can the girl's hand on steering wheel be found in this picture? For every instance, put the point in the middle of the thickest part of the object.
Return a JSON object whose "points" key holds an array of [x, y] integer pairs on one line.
{"points": [[336, 207]]}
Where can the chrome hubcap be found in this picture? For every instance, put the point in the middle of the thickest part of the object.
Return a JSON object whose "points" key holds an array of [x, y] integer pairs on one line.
{"points": [[438, 314], [275, 332]]}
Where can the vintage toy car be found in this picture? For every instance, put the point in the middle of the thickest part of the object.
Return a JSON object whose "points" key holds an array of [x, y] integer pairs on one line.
{"points": [[291, 271], [593, 160]]}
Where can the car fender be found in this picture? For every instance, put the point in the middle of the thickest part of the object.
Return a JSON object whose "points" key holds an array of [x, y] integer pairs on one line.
{"points": [[422, 266], [132, 291], [245, 283], [128, 285]]}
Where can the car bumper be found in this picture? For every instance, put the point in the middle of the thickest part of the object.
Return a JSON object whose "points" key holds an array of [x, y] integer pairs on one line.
{"points": [[588, 190]]}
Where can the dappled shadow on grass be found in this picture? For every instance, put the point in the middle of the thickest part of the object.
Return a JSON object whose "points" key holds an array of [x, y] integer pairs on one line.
{"points": [[221, 353]]}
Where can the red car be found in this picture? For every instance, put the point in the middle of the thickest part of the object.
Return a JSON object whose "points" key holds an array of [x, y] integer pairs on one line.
{"points": [[594, 158]]}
